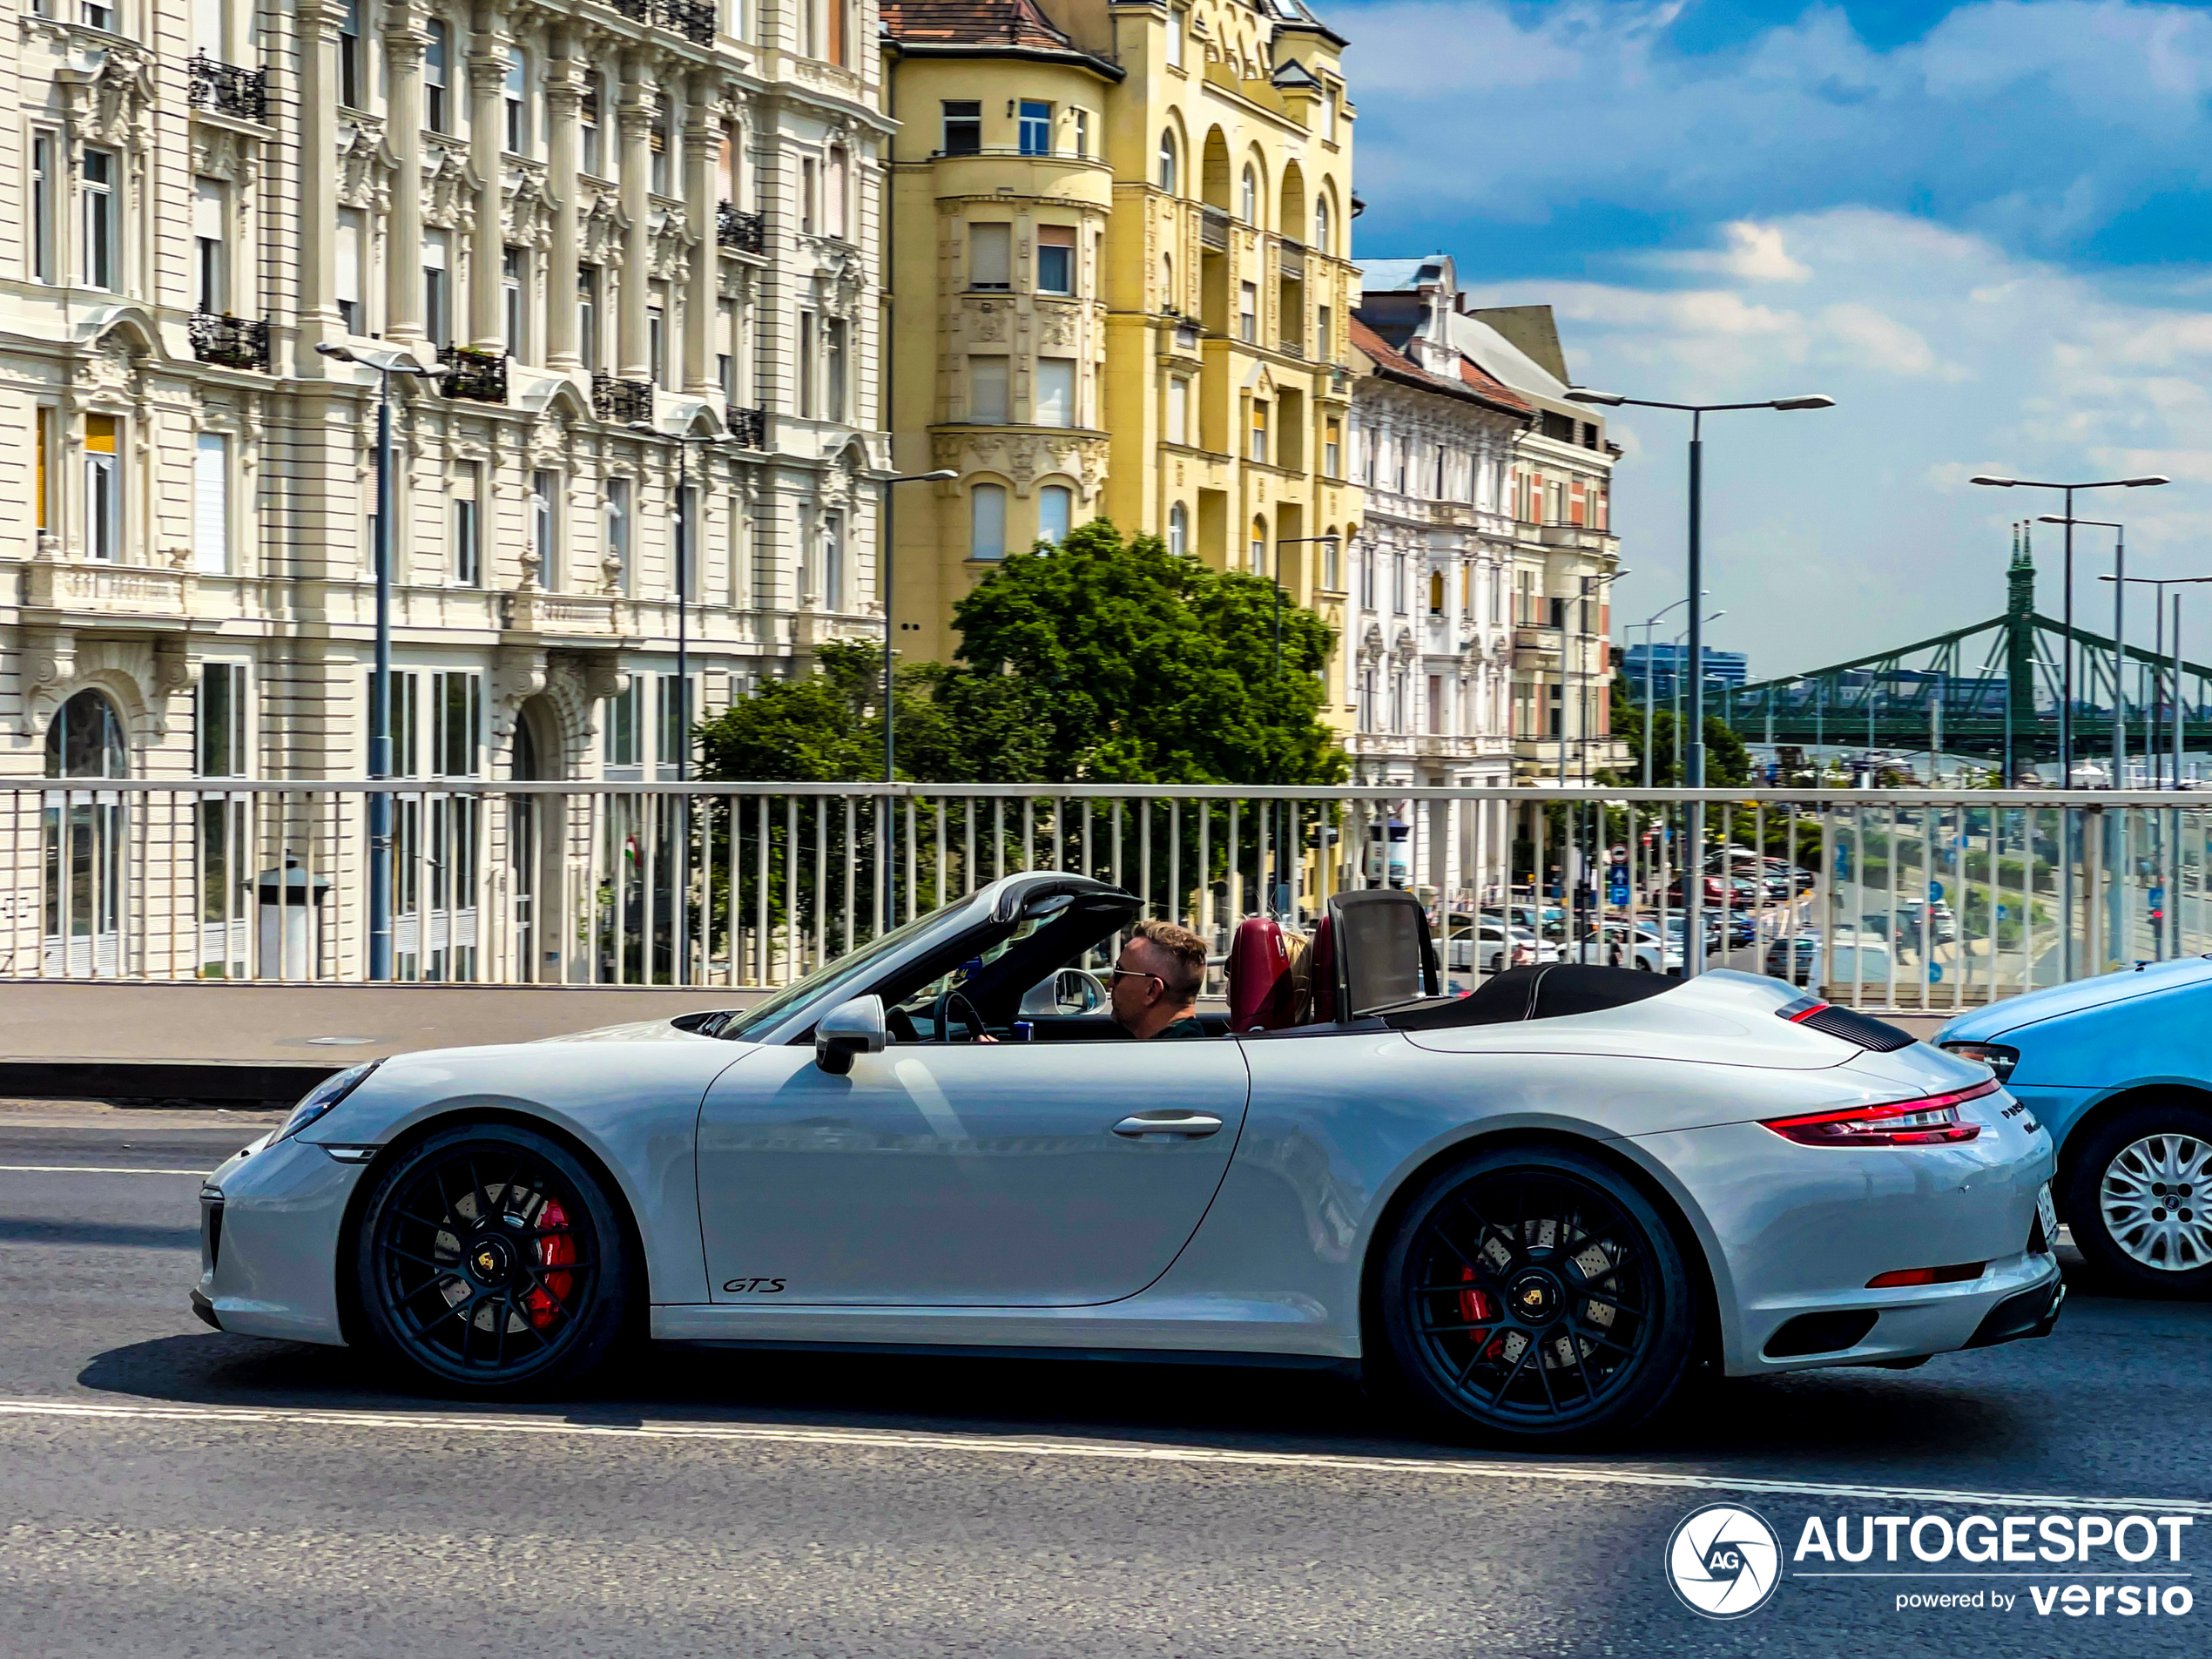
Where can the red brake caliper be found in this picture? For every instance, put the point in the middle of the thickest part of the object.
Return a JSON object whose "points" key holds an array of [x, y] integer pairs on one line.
{"points": [[554, 1249], [1475, 1305]]}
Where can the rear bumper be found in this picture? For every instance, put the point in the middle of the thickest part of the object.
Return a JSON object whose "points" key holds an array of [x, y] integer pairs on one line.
{"points": [[2031, 1313]]}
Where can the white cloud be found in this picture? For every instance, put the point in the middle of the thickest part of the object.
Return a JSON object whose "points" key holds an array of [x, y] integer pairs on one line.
{"points": [[1754, 252], [1836, 533]]}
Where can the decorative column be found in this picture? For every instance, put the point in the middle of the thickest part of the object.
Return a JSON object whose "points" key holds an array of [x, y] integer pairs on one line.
{"points": [[699, 205], [319, 24], [487, 242], [564, 100], [633, 354], [404, 41]]}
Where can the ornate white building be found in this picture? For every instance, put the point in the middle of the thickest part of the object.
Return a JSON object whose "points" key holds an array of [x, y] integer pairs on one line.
{"points": [[583, 216]]}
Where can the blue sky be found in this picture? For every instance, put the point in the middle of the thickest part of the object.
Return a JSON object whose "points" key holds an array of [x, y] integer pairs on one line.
{"points": [[1984, 228]]}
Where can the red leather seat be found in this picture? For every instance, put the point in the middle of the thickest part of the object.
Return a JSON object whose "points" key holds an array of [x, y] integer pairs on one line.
{"points": [[1259, 977]]}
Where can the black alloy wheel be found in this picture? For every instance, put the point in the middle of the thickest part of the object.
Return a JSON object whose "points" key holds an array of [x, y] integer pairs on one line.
{"points": [[489, 1260], [2138, 1198], [1534, 1297]]}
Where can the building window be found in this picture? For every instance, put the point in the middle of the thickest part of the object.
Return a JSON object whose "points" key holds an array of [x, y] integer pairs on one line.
{"points": [[1332, 449], [837, 189], [1259, 429], [350, 59], [1179, 530], [353, 245], [1055, 400], [1055, 259], [657, 336], [809, 367], [1055, 513], [512, 277], [219, 718], [1248, 312], [45, 191], [210, 504], [545, 490], [1248, 197], [1325, 339], [1259, 547], [987, 522], [103, 487], [467, 542], [835, 373], [671, 721], [437, 307], [832, 556], [518, 106], [990, 257], [1367, 580], [1035, 129], [1321, 224], [1167, 161], [1178, 409], [1082, 132], [436, 56], [987, 390], [211, 290], [963, 126], [620, 745], [99, 196], [1436, 593], [809, 191], [587, 315], [618, 527], [839, 29], [42, 419], [456, 725], [98, 17], [1398, 584], [1332, 562], [588, 112]]}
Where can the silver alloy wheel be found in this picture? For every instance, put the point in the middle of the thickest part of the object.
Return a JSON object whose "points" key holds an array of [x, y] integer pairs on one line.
{"points": [[2156, 1201]]}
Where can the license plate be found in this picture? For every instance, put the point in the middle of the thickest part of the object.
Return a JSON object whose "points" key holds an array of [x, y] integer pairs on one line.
{"points": [[2047, 1213]]}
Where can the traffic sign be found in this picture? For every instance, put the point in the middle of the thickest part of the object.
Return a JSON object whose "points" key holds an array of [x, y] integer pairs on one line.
{"points": [[1935, 893], [1935, 973]]}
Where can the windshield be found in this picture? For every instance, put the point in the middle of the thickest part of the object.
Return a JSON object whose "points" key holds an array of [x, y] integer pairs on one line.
{"points": [[856, 966]]}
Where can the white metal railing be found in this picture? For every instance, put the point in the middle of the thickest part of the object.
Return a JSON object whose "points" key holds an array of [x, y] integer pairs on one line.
{"points": [[1903, 899]]}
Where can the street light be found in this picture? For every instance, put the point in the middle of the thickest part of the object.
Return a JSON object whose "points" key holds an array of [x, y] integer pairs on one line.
{"points": [[1588, 581], [2118, 633], [2066, 649], [940, 476], [1648, 624], [683, 516], [1675, 689], [2158, 607], [1694, 912], [386, 362]]}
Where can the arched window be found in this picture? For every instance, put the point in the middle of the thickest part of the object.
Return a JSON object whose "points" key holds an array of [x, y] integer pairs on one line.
{"points": [[1167, 160], [1436, 593], [1321, 224], [1055, 513], [1166, 279], [987, 522], [1259, 547], [1178, 529], [85, 739], [84, 836], [1248, 201]]}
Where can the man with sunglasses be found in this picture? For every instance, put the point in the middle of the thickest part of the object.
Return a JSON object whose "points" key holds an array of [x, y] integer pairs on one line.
{"points": [[1155, 983]]}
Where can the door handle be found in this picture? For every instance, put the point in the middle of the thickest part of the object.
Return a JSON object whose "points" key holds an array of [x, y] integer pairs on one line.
{"points": [[1168, 1125]]}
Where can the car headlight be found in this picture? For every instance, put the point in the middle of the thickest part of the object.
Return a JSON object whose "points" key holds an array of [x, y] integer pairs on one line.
{"points": [[1995, 1055], [323, 1096]]}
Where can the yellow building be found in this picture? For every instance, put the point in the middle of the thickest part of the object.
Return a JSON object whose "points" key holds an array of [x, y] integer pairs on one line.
{"points": [[1119, 288]]}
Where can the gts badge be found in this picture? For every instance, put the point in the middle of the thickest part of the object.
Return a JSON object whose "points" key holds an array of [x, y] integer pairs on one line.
{"points": [[754, 1287]]}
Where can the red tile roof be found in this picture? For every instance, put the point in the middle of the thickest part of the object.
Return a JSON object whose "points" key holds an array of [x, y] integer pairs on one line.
{"points": [[1476, 382], [973, 22]]}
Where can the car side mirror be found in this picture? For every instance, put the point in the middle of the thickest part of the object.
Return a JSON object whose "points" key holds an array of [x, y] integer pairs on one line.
{"points": [[848, 1030]]}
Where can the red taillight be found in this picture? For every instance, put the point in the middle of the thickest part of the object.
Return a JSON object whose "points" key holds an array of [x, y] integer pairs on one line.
{"points": [[1957, 1274], [1930, 1120]]}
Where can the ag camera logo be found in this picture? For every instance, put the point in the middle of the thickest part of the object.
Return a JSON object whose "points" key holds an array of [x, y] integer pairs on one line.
{"points": [[1723, 1561]]}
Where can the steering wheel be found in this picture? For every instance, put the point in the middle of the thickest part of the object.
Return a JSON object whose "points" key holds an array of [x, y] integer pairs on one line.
{"points": [[941, 1014]]}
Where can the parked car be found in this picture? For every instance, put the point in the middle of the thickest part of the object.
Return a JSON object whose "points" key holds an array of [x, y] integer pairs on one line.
{"points": [[1500, 947], [1704, 1171], [1619, 944], [2119, 1069], [1853, 958]]}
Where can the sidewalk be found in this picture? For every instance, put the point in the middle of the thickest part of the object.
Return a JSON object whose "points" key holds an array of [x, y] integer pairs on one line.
{"points": [[209, 1040]]}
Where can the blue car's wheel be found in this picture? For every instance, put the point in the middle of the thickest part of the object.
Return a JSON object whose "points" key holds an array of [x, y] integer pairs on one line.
{"points": [[1532, 1297], [2139, 1198]]}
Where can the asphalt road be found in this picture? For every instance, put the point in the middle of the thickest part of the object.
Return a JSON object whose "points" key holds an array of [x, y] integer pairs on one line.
{"points": [[168, 1490]]}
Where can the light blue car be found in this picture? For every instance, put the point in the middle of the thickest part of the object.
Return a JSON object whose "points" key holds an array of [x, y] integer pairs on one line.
{"points": [[2119, 1069]]}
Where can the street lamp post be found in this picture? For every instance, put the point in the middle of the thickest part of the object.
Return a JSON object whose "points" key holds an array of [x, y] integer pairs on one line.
{"points": [[1580, 634], [2158, 585], [2119, 578], [885, 917], [386, 362], [1675, 687], [1648, 624], [1694, 911], [683, 518], [2066, 649]]}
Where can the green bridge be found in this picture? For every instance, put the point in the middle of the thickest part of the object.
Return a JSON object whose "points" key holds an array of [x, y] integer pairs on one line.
{"points": [[1991, 691]]}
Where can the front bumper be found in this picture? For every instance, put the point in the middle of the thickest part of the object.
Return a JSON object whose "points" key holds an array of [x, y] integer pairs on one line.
{"points": [[270, 1223]]}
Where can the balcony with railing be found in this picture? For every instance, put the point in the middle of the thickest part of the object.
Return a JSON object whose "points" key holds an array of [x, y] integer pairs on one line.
{"points": [[235, 342], [621, 401], [1290, 345], [480, 376], [694, 19], [748, 428], [1293, 260], [1213, 228], [740, 230], [227, 89]]}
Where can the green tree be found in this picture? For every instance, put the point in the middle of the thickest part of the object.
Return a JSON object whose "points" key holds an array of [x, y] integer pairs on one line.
{"points": [[1727, 761]]}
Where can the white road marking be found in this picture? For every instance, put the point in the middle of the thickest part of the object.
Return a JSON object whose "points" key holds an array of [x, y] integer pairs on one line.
{"points": [[995, 1446], [90, 1168]]}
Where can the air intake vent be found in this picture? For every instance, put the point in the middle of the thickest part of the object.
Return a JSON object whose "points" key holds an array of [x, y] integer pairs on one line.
{"points": [[1876, 1034]]}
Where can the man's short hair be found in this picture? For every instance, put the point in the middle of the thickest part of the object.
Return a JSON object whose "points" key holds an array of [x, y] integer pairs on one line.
{"points": [[1186, 951]]}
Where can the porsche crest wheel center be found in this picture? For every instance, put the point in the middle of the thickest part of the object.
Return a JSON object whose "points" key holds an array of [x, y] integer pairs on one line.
{"points": [[491, 1260], [1533, 1298]]}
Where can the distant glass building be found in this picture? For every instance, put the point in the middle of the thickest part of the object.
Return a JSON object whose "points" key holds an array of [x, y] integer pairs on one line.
{"points": [[1660, 664]]}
